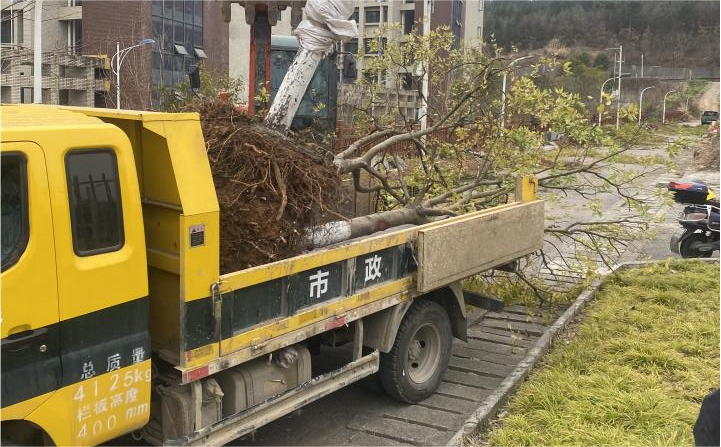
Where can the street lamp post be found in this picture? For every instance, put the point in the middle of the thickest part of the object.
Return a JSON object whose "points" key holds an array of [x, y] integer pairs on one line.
{"points": [[600, 98], [119, 57], [640, 103], [663, 116], [503, 90]]}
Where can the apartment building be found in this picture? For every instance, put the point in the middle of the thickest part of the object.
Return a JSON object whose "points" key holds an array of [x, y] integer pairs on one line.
{"points": [[473, 33], [69, 77], [187, 33]]}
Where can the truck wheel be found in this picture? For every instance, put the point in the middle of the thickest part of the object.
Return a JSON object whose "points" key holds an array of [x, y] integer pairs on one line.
{"points": [[688, 248], [414, 367]]}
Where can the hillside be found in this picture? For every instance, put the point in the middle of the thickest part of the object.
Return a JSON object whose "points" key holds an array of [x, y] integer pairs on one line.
{"points": [[670, 33]]}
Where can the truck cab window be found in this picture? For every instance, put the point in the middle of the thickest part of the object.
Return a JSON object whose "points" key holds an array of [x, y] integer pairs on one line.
{"points": [[14, 231], [95, 208]]}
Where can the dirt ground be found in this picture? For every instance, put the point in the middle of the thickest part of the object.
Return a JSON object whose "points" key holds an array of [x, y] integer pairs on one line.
{"points": [[709, 99], [706, 154]]}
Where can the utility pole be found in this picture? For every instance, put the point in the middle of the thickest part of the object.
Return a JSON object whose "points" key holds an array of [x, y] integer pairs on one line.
{"points": [[12, 23], [641, 65], [117, 76], [424, 83], [618, 92], [37, 53], [620, 73], [640, 103]]}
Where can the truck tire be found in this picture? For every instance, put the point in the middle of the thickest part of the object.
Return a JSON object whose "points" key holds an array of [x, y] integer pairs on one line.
{"points": [[414, 367]]}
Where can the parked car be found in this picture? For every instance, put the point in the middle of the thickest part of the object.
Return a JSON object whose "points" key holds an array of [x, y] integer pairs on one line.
{"points": [[709, 117]]}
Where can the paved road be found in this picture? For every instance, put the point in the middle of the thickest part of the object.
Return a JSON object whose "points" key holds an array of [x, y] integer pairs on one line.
{"points": [[361, 415]]}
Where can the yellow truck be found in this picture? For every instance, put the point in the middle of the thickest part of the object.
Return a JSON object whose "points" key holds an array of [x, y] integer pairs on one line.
{"points": [[116, 318]]}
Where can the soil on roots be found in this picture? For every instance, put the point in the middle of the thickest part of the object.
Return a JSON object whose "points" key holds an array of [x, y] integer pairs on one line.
{"points": [[269, 187]]}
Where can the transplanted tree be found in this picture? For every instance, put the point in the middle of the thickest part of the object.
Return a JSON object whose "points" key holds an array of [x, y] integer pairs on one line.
{"points": [[463, 160]]}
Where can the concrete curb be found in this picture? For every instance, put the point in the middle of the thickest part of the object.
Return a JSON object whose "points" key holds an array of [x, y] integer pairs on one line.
{"points": [[490, 406]]}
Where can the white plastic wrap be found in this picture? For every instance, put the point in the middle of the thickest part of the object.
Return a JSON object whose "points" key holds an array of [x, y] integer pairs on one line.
{"points": [[325, 23]]}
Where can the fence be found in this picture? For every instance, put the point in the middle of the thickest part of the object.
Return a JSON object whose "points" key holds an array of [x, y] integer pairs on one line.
{"points": [[671, 73]]}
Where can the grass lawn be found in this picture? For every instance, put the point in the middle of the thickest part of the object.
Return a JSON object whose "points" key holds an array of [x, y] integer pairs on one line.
{"points": [[633, 372]]}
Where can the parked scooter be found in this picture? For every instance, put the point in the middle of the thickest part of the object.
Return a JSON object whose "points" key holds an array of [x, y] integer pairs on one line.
{"points": [[699, 235]]}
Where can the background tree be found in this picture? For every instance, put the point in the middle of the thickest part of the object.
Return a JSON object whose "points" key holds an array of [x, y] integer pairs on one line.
{"points": [[668, 32]]}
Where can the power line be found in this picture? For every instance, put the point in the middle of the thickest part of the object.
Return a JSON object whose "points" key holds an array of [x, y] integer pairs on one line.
{"points": [[18, 12], [11, 5]]}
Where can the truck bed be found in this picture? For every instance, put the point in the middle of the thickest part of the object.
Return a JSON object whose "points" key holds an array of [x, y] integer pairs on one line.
{"points": [[265, 308]]}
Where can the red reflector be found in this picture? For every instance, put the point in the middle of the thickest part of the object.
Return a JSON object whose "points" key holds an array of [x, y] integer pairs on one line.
{"points": [[197, 374], [334, 323]]}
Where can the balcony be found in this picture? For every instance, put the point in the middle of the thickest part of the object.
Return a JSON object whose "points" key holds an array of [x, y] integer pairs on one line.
{"points": [[66, 13]]}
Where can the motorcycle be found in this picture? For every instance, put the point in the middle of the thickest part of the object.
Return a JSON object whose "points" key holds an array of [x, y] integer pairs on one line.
{"points": [[698, 236]]}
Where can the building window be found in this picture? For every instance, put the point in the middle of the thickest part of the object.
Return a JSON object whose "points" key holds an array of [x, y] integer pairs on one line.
{"points": [[408, 18], [456, 18], [7, 27], [351, 46], [14, 203], [178, 26], [373, 15], [354, 16], [406, 80], [374, 48], [94, 195]]}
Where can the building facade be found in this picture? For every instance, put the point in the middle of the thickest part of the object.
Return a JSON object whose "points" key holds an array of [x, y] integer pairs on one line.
{"points": [[69, 77], [473, 33], [79, 36], [187, 34]]}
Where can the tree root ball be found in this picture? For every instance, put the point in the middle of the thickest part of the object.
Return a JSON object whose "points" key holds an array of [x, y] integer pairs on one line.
{"points": [[269, 187]]}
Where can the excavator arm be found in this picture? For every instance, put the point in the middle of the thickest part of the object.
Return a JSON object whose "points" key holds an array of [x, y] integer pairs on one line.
{"points": [[325, 24]]}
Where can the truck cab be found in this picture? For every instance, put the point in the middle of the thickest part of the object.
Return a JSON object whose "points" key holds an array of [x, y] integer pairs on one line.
{"points": [[75, 340]]}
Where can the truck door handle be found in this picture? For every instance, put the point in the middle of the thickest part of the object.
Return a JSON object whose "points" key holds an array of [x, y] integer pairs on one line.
{"points": [[23, 340]]}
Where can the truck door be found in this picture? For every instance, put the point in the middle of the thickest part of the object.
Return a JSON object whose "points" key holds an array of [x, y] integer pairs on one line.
{"points": [[102, 289], [30, 335]]}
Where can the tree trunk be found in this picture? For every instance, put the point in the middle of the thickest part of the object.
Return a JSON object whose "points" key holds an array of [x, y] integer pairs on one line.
{"points": [[291, 91], [334, 232]]}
